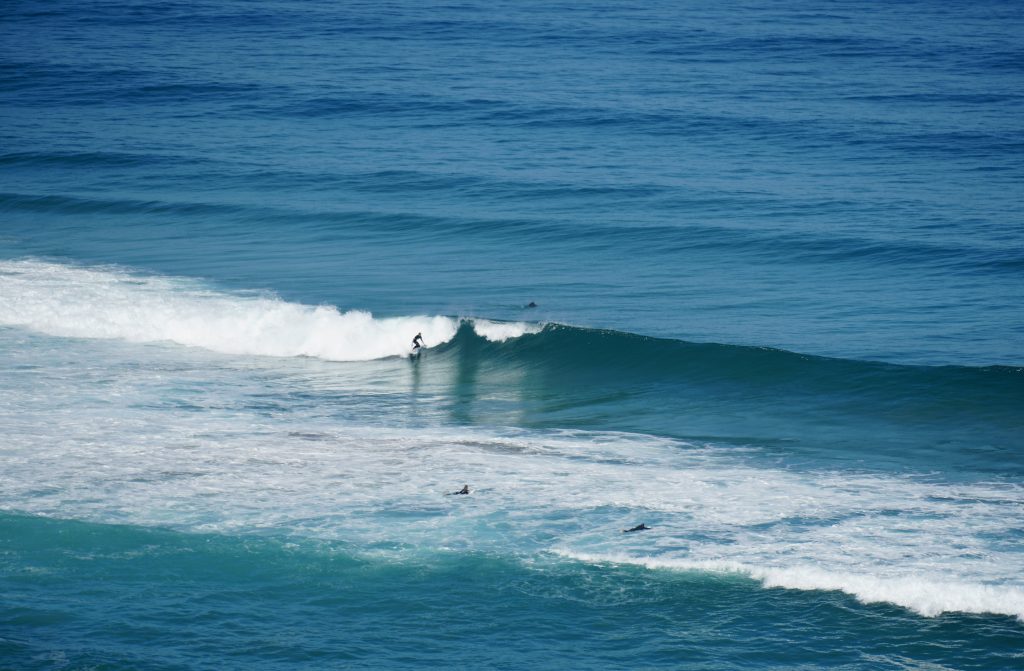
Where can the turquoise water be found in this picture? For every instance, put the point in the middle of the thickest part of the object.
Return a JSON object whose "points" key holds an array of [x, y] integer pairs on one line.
{"points": [[776, 258], [270, 604]]}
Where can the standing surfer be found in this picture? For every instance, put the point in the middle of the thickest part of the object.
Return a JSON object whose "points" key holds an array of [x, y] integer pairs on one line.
{"points": [[417, 342]]}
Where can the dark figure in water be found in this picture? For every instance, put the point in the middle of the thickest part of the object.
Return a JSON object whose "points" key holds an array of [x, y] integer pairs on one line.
{"points": [[639, 527], [531, 304], [464, 490], [417, 342]]}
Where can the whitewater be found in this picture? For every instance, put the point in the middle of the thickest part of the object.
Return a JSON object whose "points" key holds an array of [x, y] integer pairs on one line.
{"points": [[106, 303]]}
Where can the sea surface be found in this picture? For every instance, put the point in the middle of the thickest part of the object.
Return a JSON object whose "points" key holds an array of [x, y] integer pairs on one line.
{"points": [[775, 256]]}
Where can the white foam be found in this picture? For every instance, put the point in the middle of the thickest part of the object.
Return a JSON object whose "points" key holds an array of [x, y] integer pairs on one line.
{"points": [[928, 596], [110, 303], [502, 331], [126, 454]]}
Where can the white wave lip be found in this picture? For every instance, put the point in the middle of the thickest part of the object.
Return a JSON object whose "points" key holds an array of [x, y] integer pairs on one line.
{"points": [[79, 302], [926, 596], [502, 331]]}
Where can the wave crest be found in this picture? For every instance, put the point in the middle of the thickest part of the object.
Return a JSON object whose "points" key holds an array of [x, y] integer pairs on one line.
{"points": [[926, 596], [81, 302]]}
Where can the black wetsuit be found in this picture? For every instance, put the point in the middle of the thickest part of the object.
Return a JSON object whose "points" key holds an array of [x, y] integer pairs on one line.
{"points": [[417, 342]]}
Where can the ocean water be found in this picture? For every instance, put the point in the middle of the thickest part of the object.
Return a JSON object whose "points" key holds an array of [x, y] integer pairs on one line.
{"points": [[776, 252]]}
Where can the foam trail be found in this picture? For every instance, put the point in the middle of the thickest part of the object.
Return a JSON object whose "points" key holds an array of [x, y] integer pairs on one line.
{"points": [[109, 303]]}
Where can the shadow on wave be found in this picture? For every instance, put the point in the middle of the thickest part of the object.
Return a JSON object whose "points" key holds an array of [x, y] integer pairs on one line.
{"points": [[866, 411]]}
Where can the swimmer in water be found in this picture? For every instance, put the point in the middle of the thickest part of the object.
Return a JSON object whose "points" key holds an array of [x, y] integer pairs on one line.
{"points": [[639, 527], [464, 490]]}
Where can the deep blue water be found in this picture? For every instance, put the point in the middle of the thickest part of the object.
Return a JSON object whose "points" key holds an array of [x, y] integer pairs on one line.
{"points": [[777, 257]]}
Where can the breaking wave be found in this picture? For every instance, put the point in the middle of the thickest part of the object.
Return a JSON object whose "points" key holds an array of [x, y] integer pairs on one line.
{"points": [[71, 301]]}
